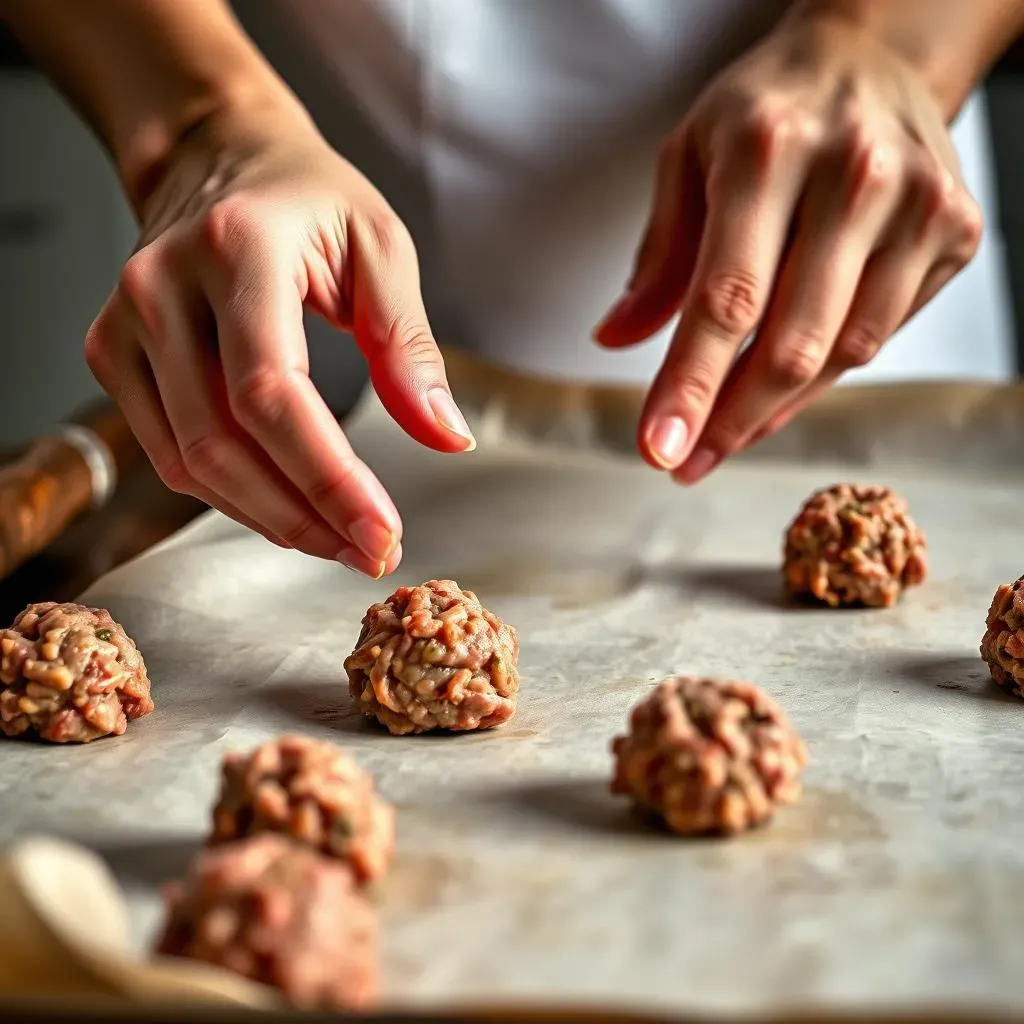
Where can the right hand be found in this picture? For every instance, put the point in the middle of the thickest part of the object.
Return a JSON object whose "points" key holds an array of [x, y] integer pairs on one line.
{"points": [[202, 342]]}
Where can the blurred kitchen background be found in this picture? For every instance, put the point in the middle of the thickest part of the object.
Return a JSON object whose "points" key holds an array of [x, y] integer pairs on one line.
{"points": [[65, 232]]}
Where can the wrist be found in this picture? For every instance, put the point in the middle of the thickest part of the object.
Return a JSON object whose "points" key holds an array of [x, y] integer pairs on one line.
{"points": [[939, 50], [149, 146]]}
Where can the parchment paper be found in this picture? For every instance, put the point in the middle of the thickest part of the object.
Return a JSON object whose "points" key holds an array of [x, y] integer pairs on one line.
{"points": [[898, 879]]}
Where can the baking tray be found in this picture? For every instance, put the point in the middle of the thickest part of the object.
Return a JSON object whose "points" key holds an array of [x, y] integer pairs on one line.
{"points": [[898, 881]]}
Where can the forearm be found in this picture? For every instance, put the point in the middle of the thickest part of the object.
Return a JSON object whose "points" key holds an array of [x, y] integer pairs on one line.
{"points": [[144, 73], [952, 42]]}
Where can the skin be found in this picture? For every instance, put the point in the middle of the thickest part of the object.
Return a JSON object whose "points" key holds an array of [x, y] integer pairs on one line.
{"points": [[811, 198], [811, 201]]}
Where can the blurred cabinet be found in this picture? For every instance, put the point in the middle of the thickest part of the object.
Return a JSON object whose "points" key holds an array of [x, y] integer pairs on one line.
{"points": [[64, 232]]}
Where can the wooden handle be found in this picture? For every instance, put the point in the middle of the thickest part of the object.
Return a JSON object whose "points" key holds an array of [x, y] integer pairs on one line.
{"points": [[57, 478]]}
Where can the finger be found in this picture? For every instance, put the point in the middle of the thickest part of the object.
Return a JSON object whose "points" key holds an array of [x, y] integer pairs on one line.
{"points": [[175, 333], [258, 307], [849, 200], [751, 194], [882, 306], [391, 328], [389, 565], [667, 254], [123, 372]]}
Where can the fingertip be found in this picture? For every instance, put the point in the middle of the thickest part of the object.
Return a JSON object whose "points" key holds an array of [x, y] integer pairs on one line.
{"points": [[449, 417], [699, 465], [393, 561], [664, 440], [611, 335], [352, 558]]}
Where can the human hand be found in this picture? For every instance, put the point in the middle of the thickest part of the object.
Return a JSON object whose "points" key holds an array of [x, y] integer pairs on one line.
{"points": [[202, 342], [812, 197]]}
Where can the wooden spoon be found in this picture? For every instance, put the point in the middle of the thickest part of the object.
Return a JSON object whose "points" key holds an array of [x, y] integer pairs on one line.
{"points": [[64, 919]]}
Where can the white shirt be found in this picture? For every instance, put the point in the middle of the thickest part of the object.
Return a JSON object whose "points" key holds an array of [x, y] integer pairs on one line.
{"points": [[518, 138]]}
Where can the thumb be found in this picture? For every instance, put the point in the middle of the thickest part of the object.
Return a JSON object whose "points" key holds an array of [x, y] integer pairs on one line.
{"points": [[390, 326], [666, 257]]}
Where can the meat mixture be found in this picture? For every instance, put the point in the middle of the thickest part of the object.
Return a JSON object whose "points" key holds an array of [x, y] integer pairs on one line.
{"points": [[709, 756], [854, 545], [278, 913], [310, 790], [432, 657], [1002, 646], [69, 674]]}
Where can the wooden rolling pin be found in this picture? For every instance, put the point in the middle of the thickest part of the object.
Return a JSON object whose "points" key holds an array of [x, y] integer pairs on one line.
{"points": [[59, 476]]}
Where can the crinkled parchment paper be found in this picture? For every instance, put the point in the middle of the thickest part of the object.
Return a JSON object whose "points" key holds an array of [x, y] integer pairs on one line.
{"points": [[898, 879]]}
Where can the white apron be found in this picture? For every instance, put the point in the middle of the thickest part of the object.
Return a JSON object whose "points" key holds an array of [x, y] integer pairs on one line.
{"points": [[517, 139]]}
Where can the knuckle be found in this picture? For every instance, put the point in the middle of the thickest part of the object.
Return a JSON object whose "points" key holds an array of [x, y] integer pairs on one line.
{"points": [[872, 162], [729, 302], [228, 222], [858, 345], [298, 536], [727, 437], [389, 236], [796, 364], [772, 125], [258, 400], [762, 120], [137, 284], [970, 226], [936, 189], [323, 491], [97, 349], [417, 344], [207, 458], [174, 475], [692, 390]]}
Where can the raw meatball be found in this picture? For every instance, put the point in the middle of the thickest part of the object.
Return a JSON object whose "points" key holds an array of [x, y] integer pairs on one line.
{"points": [[432, 657], [278, 913], [71, 674], [310, 790], [854, 545], [709, 756], [1002, 646]]}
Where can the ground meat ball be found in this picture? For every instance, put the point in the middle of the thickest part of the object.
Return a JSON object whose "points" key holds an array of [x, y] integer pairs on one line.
{"points": [[71, 674], [1002, 646], [709, 756], [278, 913], [432, 657], [853, 545], [310, 790]]}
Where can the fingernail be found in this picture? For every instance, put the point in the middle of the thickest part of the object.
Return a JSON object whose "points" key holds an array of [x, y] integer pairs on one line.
{"points": [[620, 309], [374, 539], [352, 558], [394, 560], [698, 465], [447, 413], [666, 440]]}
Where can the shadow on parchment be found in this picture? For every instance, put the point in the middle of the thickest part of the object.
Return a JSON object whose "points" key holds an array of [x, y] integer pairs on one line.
{"points": [[314, 703], [947, 670], [757, 585], [328, 705], [578, 803], [151, 863]]}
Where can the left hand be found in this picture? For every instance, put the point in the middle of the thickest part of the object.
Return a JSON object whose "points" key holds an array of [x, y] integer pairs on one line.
{"points": [[813, 196]]}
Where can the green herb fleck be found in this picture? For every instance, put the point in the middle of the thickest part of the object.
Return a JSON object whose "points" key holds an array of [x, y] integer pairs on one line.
{"points": [[433, 652], [105, 634]]}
